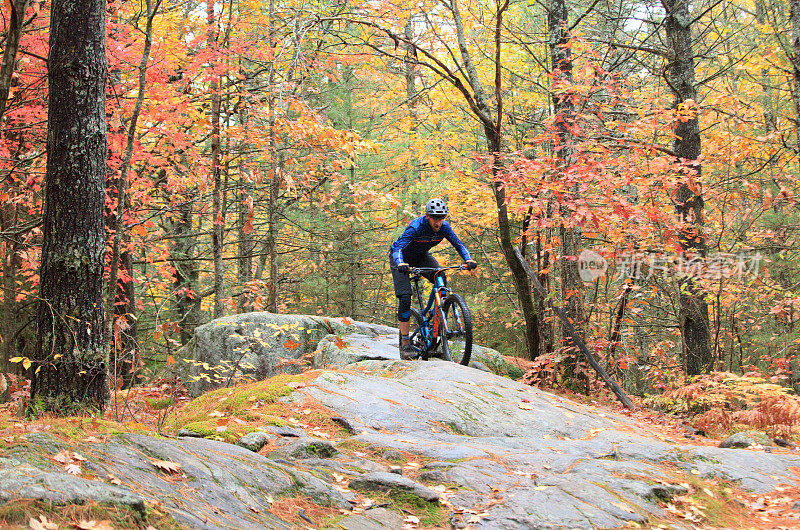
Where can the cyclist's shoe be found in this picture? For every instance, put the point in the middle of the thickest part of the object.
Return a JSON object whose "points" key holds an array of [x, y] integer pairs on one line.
{"points": [[408, 353]]}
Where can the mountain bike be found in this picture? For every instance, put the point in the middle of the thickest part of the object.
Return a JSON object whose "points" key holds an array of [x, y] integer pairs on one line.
{"points": [[444, 327]]}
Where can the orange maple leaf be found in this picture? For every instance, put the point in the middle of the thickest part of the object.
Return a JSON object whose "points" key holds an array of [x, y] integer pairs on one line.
{"points": [[340, 343]]}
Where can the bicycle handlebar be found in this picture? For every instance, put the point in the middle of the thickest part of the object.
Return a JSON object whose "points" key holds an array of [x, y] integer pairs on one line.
{"points": [[421, 270]]}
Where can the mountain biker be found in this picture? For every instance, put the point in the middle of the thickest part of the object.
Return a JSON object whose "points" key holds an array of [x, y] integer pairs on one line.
{"points": [[412, 249]]}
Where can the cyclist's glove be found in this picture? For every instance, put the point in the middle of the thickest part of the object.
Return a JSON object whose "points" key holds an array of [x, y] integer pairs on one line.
{"points": [[404, 267], [471, 264]]}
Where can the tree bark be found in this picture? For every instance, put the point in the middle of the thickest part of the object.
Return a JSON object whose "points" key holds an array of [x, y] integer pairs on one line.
{"points": [[218, 221], [492, 127], [68, 368], [274, 181], [121, 295], [126, 343], [11, 262], [17, 18], [564, 111], [187, 298], [246, 243], [694, 320], [411, 94], [795, 17]]}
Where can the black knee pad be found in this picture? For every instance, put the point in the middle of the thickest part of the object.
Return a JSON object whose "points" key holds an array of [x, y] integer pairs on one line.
{"points": [[404, 308]]}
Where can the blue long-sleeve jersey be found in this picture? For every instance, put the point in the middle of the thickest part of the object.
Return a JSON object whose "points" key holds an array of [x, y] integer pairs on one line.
{"points": [[418, 238]]}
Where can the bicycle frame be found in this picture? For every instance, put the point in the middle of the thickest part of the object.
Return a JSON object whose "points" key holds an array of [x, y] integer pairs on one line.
{"points": [[434, 324]]}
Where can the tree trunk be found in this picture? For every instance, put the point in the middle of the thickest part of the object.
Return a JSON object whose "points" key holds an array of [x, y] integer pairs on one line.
{"points": [[68, 370], [546, 331], [246, 243], [492, 127], [11, 262], [564, 110], [694, 321], [187, 298], [126, 350], [274, 181], [120, 298], [17, 18], [218, 216], [795, 16], [411, 95]]}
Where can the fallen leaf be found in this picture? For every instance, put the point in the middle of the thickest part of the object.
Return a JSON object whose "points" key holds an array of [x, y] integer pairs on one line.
{"points": [[93, 525], [169, 467], [114, 480], [623, 507], [592, 433], [411, 519], [525, 406], [62, 457], [73, 469], [42, 524], [222, 424], [216, 414]]}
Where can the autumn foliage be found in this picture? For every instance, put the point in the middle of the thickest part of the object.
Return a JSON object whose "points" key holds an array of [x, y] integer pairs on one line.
{"points": [[335, 124]]}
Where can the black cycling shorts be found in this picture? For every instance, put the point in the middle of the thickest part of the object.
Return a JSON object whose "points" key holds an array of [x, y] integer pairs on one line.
{"points": [[402, 284]]}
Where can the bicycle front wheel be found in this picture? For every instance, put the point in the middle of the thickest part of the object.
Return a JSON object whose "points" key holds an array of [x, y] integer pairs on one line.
{"points": [[459, 329]]}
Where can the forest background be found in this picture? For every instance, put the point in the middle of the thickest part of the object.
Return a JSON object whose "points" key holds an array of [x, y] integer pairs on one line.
{"points": [[263, 155]]}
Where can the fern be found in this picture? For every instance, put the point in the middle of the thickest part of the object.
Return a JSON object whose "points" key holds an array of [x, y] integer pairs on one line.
{"points": [[719, 401]]}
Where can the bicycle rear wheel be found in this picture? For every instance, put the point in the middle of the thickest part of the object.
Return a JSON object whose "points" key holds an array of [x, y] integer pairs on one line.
{"points": [[459, 329]]}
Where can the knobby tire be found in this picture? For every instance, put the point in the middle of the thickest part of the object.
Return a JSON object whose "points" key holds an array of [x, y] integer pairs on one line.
{"points": [[459, 329]]}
